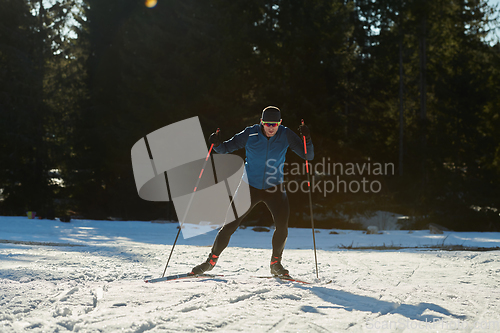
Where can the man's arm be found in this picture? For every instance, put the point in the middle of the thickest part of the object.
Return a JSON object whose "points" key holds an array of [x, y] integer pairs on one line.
{"points": [[296, 143], [238, 141]]}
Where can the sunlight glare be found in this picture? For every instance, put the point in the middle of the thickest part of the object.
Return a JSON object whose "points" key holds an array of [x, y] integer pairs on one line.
{"points": [[151, 3]]}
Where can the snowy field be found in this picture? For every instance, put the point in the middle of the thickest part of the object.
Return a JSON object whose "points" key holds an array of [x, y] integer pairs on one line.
{"points": [[87, 276]]}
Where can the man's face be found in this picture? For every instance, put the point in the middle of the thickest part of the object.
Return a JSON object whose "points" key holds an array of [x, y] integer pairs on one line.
{"points": [[270, 129]]}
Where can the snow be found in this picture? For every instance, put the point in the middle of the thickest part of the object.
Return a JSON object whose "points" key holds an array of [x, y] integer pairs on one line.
{"points": [[88, 276]]}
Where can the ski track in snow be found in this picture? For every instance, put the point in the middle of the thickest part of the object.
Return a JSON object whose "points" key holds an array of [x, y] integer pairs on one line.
{"points": [[99, 288]]}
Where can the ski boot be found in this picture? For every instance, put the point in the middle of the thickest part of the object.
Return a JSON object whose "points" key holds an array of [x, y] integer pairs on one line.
{"points": [[277, 268], [206, 266]]}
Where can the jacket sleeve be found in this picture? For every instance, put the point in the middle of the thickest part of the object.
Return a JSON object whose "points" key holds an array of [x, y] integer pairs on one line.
{"points": [[238, 141], [296, 143]]}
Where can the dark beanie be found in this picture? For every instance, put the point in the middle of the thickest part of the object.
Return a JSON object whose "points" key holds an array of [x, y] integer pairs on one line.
{"points": [[271, 113]]}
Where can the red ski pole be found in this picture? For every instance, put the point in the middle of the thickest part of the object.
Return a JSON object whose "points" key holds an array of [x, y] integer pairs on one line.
{"points": [[189, 204], [310, 203]]}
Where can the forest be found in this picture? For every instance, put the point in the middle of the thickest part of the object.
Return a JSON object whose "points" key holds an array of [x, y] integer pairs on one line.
{"points": [[408, 88]]}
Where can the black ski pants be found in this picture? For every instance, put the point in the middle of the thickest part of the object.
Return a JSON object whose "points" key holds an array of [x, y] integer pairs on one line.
{"points": [[276, 201]]}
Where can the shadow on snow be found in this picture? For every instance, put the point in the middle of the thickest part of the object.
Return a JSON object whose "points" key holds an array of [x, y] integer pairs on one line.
{"points": [[353, 302]]}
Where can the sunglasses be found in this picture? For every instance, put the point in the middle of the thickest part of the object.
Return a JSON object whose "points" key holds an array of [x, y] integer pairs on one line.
{"points": [[270, 123]]}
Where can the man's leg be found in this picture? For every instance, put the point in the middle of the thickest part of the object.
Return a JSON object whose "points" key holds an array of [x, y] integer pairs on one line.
{"points": [[277, 203], [280, 209], [225, 233]]}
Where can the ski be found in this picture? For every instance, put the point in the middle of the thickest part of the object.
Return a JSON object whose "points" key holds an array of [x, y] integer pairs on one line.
{"points": [[283, 278], [191, 276], [181, 277]]}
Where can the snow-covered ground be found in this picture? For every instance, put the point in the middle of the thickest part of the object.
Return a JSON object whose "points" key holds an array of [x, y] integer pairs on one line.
{"points": [[87, 276]]}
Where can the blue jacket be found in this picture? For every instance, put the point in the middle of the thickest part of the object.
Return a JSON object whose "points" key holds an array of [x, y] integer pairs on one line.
{"points": [[265, 157]]}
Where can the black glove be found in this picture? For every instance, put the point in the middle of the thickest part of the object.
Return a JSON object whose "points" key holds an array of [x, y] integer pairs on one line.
{"points": [[304, 131], [215, 138]]}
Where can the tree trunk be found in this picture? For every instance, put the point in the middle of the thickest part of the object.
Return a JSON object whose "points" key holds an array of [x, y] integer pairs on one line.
{"points": [[401, 103], [423, 97]]}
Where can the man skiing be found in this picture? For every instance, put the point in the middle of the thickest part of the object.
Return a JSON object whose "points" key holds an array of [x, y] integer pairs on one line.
{"points": [[265, 145]]}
